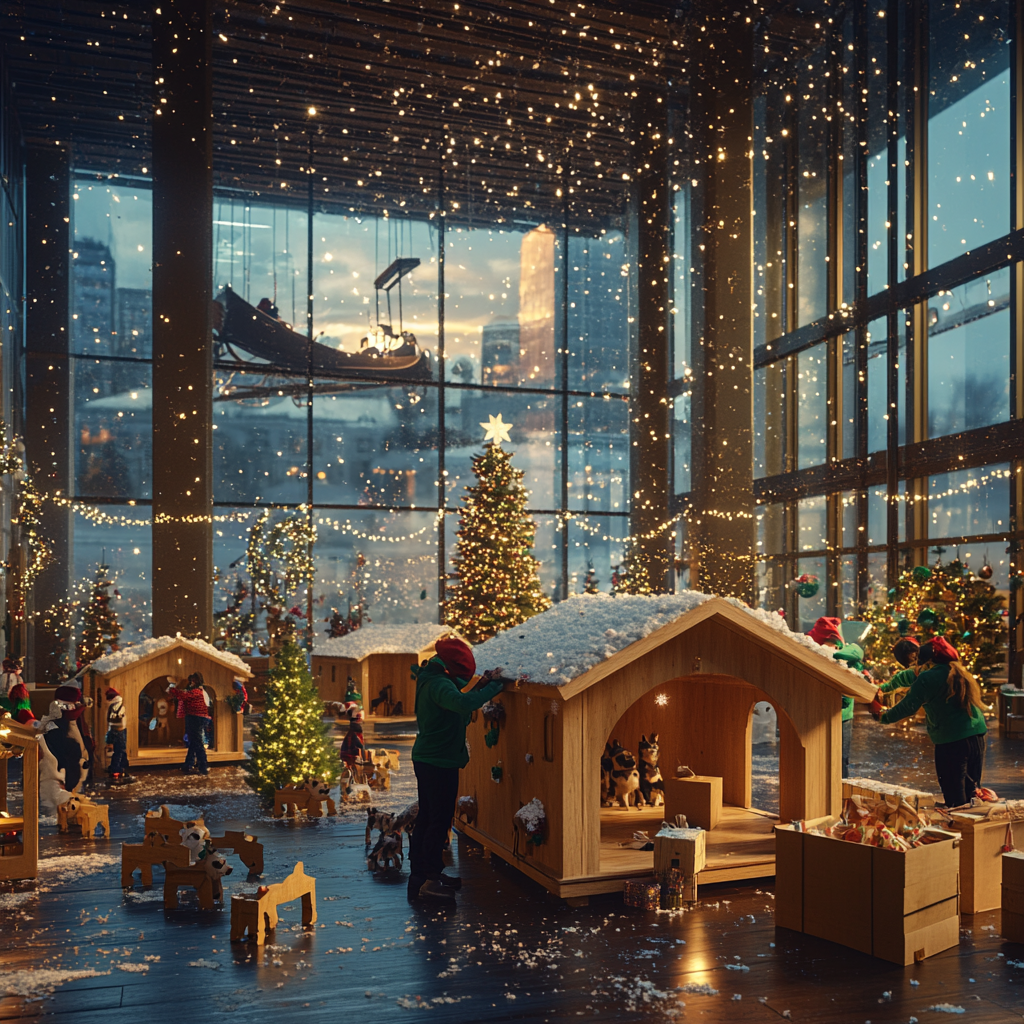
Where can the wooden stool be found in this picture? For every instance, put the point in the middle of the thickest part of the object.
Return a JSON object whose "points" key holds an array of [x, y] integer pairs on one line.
{"points": [[257, 914], [154, 849], [698, 797]]}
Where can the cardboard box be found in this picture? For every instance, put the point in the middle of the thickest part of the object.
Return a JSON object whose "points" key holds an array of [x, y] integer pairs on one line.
{"points": [[870, 788], [698, 797], [981, 859], [899, 907], [687, 854]]}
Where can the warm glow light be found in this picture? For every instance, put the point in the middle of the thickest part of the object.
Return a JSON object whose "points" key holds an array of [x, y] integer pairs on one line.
{"points": [[661, 699]]}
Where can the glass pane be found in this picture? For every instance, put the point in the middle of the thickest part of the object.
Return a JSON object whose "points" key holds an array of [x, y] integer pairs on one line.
{"points": [[968, 355], [849, 395], [683, 282], [877, 154], [877, 586], [598, 317], [259, 439], [812, 533], [375, 446], [773, 579], [850, 502], [681, 443], [878, 382], [111, 276], [113, 412], [812, 405], [848, 601], [595, 547], [810, 609], [120, 536], [968, 125], [877, 529], [771, 450], [259, 251], [500, 310], [771, 529], [598, 454], [812, 196], [969, 502], [349, 252], [533, 420]]}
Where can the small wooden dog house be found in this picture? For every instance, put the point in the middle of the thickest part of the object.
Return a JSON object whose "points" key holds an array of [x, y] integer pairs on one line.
{"points": [[378, 659], [687, 666], [141, 674], [20, 859]]}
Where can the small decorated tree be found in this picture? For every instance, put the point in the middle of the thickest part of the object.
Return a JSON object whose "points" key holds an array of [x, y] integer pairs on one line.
{"points": [[495, 584], [590, 581], [941, 600], [631, 575], [291, 743], [100, 628]]}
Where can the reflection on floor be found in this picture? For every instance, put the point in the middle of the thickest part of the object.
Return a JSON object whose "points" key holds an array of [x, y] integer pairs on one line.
{"points": [[741, 846]]}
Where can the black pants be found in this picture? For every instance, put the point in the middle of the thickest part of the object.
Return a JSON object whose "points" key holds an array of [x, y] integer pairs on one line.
{"points": [[959, 766], [195, 726], [438, 790]]}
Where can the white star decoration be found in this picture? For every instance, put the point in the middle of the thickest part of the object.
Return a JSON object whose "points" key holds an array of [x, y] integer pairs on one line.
{"points": [[496, 429]]}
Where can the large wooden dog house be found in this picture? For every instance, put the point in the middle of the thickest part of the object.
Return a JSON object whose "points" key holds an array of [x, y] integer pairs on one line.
{"points": [[20, 859], [140, 674], [693, 672], [376, 657]]}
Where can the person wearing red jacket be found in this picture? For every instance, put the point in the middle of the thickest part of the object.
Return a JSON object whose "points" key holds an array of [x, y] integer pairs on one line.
{"points": [[192, 705]]}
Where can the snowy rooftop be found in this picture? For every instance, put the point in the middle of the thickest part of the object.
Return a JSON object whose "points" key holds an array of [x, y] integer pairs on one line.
{"points": [[571, 637], [147, 648], [402, 639]]}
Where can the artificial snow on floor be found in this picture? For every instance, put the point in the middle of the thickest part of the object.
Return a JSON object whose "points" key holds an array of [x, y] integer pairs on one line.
{"points": [[573, 636], [399, 639]]}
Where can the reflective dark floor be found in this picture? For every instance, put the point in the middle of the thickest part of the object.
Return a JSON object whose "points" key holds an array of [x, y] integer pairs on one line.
{"points": [[506, 953]]}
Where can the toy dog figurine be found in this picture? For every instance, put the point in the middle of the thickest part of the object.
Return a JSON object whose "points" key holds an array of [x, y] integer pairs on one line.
{"points": [[387, 854], [625, 779], [652, 786]]}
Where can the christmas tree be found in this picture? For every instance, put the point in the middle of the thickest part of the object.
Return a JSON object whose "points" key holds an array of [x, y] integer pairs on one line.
{"points": [[941, 600], [100, 627], [631, 575], [291, 743], [590, 582], [233, 625], [495, 583]]}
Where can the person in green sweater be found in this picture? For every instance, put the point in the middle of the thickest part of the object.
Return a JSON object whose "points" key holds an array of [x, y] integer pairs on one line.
{"points": [[951, 699], [442, 713], [906, 653]]}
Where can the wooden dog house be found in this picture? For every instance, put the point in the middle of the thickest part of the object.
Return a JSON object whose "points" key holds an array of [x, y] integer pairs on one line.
{"points": [[20, 859], [694, 678], [376, 657], [140, 674]]}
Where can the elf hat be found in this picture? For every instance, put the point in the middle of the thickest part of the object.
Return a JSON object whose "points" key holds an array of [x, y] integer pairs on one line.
{"points": [[903, 650], [70, 695], [939, 650], [826, 631], [457, 657], [111, 693]]}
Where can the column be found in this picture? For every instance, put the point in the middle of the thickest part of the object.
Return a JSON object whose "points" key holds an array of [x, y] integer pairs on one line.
{"points": [[722, 115], [650, 441], [182, 343], [48, 403]]}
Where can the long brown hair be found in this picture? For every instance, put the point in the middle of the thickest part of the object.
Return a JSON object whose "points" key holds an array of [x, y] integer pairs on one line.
{"points": [[963, 687]]}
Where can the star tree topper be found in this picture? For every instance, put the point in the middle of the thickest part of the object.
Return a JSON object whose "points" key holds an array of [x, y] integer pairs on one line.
{"points": [[496, 430]]}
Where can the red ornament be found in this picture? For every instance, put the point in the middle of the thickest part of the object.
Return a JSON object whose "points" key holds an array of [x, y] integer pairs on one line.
{"points": [[985, 572]]}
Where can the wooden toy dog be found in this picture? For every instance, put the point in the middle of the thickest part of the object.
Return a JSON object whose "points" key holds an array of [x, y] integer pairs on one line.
{"points": [[247, 848], [257, 914], [83, 813], [154, 849], [465, 809], [385, 757], [389, 822], [387, 854], [204, 876], [652, 785], [170, 828], [309, 797]]}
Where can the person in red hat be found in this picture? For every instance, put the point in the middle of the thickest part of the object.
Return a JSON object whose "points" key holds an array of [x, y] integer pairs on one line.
{"points": [[442, 713], [951, 699]]}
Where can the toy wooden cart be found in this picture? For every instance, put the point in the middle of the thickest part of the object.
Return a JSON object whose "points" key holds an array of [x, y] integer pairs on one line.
{"points": [[257, 913], [20, 859]]}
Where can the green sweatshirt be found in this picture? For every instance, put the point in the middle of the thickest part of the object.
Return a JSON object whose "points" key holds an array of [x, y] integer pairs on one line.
{"points": [[847, 715], [442, 713], [947, 722], [900, 681]]}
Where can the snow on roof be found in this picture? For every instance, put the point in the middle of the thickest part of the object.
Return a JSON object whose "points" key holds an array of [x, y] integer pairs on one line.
{"points": [[408, 638], [154, 645], [571, 637]]}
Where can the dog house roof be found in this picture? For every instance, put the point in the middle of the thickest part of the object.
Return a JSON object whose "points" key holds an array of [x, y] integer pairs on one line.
{"points": [[111, 664], [582, 640], [409, 638]]}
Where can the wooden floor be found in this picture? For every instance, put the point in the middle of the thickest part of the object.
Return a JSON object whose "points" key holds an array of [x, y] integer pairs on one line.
{"points": [[741, 846]]}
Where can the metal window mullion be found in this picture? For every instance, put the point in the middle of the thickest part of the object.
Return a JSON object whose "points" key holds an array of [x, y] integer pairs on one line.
{"points": [[442, 479], [1016, 323], [564, 387]]}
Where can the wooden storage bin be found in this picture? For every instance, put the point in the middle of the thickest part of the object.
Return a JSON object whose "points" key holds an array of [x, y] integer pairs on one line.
{"points": [[981, 863], [905, 906], [1013, 896], [872, 789], [698, 797], [688, 854]]}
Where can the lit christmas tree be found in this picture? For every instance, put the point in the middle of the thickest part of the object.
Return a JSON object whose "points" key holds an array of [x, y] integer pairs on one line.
{"points": [[631, 575], [495, 583], [233, 625], [100, 627], [941, 600], [590, 581], [291, 743]]}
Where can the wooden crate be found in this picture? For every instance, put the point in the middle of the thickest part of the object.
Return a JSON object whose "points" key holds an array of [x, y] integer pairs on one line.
{"points": [[873, 789], [698, 797], [906, 904], [981, 863], [1013, 896], [686, 853]]}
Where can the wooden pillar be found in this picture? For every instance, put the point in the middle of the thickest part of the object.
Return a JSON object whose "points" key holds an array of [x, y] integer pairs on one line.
{"points": [[650, 440], [48, 400], [182, 343], [723, 418]]}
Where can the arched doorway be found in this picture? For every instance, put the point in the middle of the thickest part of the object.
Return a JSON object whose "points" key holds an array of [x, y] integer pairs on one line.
{"points": [[159, 725]]}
